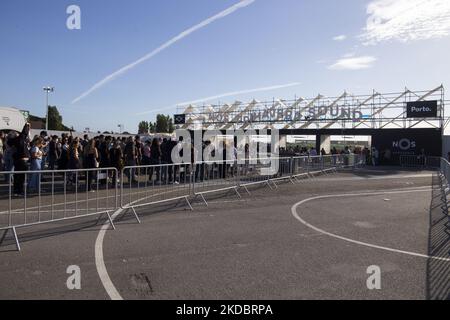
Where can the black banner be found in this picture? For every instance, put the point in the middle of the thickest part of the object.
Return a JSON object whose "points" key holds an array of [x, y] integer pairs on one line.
{"points": [[179, 119], [422, 109], [393, 143]]}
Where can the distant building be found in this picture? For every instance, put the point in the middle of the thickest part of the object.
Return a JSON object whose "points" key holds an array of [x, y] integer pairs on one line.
{"points": [[12, 119]]}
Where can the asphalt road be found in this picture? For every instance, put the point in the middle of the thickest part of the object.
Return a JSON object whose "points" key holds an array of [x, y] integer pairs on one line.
{"points": [[250, 248]]}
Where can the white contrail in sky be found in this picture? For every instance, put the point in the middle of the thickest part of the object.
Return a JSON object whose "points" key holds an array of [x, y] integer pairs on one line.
{"points": [[112, 76], [224, 95]]}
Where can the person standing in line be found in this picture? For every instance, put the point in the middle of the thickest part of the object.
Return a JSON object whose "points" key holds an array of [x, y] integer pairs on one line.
{"points": [[130, 159], [334, 154], [8, 163], [44, 136], [90, 162], [166, 159], [139, 146], [375, 156], [83, 145], [53, 153], [146, 153], [104, 152], [116, 158], [74, 160], [21, 158], [64, 156], [155, 158], [36, 154], [2, 149]]}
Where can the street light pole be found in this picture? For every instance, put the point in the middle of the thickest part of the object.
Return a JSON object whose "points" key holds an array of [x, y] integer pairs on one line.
{"points": [[47, 91]]}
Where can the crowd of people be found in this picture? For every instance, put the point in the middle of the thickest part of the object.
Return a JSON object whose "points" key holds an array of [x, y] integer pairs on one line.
{"points": [[20, 152], [366, 154]]}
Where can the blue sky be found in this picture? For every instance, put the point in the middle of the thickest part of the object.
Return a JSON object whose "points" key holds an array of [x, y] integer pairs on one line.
{"points": [[383, 44]]}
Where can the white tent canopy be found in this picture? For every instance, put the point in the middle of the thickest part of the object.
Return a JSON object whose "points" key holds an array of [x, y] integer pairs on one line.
{"points": [[11, 119]]}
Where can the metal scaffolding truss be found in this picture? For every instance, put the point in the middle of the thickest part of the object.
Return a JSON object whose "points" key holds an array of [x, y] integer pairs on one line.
{"points": [[346, 111]]}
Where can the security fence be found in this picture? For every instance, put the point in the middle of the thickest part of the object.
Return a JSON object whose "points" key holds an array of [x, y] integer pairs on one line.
{"points": [[418, 161], [29, 198], [146, 185], [444, 181]]}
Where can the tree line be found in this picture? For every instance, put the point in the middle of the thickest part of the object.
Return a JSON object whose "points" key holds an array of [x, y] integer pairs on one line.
{"points": [[163, 124]]}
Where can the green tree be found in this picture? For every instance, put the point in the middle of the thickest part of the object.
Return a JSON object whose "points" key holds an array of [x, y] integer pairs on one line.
{"points": [[55, 120], [143, 127], [152, 127], [163, 124], [170, 125]]}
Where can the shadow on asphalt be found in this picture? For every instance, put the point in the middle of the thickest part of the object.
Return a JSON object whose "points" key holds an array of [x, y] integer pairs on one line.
{"points": [[438, 272], [50, 230], [94, 224], [388, 171]]}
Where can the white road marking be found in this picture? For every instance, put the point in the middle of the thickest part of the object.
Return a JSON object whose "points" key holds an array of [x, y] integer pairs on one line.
{"points": [[115, 295], [100, 262], [297, 216]]}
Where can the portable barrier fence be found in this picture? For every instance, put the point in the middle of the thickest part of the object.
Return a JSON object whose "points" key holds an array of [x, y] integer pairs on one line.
{"points": [[29, 198], [417, 161], [253, 172], [147, 185], [213, 177], [444, 182]]}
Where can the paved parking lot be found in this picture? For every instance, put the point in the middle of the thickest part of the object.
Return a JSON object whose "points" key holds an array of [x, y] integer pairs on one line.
{"points": [[288, 243]]}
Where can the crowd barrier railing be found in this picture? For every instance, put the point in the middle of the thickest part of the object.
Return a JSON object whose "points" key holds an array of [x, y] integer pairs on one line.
{"points": [[153, 184], [444, 181], [215, 176], [29, 198], [417, 161]]}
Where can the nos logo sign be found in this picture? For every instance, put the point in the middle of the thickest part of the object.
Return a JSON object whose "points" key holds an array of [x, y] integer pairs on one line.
{"points": [[404, 144], [422, 109], [180, 119]]}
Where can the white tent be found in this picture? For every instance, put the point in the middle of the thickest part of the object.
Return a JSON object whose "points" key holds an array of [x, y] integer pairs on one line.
{"points": [[11, 119]]}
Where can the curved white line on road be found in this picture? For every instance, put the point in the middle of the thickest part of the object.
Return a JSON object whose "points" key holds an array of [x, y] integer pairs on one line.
{"points": [[100, 262], [297, 216], [115, 295]]}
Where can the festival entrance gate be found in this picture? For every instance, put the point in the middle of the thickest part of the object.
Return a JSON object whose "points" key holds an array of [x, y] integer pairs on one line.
{"points": [[406, 123]]}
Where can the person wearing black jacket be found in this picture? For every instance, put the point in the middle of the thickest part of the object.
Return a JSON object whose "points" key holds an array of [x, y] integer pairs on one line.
{"points": [[155, 159], [21, 158], [53, 153], [166, 172]]}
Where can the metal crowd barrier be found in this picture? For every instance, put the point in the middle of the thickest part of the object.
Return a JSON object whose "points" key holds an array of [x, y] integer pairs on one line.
{"points": [[213, 177], [251, 174], [146, 185], [444, 180], [30, 198], [37, 197], [417, 161]]}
